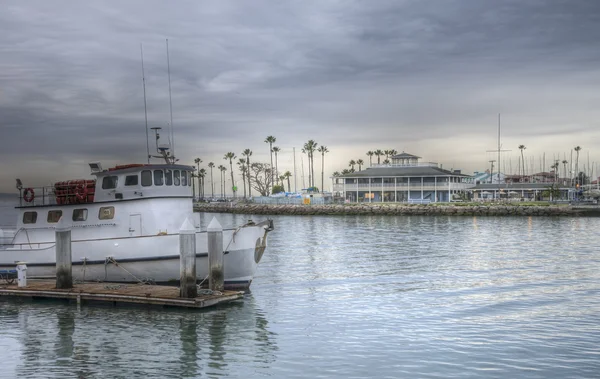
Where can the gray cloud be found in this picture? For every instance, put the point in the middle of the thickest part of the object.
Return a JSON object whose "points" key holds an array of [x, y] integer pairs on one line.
{"points": [[427, 77]]}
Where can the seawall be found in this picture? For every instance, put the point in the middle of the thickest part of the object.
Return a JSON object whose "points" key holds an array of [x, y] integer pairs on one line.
{"points": [[397, 209]]}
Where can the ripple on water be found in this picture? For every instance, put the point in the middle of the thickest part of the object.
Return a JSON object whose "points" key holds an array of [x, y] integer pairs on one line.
{"points": [[351, 296]]}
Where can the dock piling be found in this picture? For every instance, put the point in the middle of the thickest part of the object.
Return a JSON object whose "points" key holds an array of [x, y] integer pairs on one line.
{"points": [[216, 277], [64, 274], [187, 259]]}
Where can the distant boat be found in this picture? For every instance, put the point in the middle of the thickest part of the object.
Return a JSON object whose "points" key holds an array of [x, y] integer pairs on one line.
{"points": [[125, 228]]}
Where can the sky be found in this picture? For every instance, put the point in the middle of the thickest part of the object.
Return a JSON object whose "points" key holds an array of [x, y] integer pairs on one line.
{"points": [[425, 77]]}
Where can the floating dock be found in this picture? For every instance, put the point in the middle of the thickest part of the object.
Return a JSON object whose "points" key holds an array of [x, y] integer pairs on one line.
{"points": [[118, 294]]}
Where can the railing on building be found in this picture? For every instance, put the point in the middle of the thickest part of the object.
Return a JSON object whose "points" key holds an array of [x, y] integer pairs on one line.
{"points": [[419, 164]]}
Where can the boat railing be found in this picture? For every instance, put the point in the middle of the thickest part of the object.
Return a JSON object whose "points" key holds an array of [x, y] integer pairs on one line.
{"points": [[36, 196]]}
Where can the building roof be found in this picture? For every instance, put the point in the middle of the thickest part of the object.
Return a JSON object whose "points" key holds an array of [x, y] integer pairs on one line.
{"points": [[404, 155], [401, 171], [515, 186]]}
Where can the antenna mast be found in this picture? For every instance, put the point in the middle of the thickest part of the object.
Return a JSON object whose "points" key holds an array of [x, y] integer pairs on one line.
{"points": [[170, 103], [499, 150], [145, 106]]}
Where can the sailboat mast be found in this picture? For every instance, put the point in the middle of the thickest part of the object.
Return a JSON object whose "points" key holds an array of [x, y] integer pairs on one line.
{"points": [[145, 105], [499, 148], [170, 103]]}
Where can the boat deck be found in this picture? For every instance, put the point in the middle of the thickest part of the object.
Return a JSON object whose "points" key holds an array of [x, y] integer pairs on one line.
{"points": [[117, 293]]}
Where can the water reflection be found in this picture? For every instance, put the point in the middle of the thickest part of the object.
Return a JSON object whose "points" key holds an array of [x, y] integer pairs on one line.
{"points": [[59, 341]]}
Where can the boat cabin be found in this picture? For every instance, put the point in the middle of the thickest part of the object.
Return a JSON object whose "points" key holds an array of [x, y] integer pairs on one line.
{"points": [[160, 194]]}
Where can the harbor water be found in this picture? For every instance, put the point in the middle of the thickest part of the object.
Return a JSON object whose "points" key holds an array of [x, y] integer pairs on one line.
{"points": [[351, 297]]}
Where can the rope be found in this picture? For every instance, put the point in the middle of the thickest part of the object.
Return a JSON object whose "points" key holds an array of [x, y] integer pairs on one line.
{"points": [[208, 292], [114, 286], [114, 261]]}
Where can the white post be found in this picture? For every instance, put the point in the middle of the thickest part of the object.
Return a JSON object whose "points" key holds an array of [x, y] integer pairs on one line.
{"points": [[216, 277], [64, 273], [187, 260], [21, 274]]}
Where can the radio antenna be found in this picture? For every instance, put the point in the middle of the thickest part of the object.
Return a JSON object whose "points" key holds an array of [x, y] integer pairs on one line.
{"points": [[145, 105], [170, 102]]}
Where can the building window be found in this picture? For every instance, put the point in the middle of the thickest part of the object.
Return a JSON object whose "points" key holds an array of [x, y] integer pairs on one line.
{"points": [[131, 180], [146, 178], [183, 178], [176, 177], [54, 216], [106, 213], [158, 177], [109, 182], [29, 217], [169, 177], [79, 214]]}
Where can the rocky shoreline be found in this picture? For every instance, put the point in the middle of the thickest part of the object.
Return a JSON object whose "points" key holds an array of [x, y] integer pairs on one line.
{"points": [[394, 209]]}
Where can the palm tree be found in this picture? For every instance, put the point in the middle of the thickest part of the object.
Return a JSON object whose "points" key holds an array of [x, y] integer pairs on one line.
{"points": [[309, 149], [555, 168], [248, 153], [345, 171], [370, 155], [211, 165], [231, 156], [564, 162], [577, 150], [222, 169], [387, 153], [352, 163], [360, 163], [386, 161], [271, 140], [379, 153], [198, 161], [276, 150], [287, 176], [393, 152], [336, 173], [242, 166], [202, 175], [322, 149], [522, 147]]}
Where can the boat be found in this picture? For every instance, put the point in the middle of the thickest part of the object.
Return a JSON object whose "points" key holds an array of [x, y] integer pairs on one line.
{"points": [[125, 228]]}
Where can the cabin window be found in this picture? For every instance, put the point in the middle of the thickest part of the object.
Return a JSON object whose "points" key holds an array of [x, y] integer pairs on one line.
{"points": [[29, 217], [131, 180], [146, 178], [176, 177], [54, 216], [109, 182], [79, 214], [158, 177], [106, 213], [169, 177], [189, 175], [183, 178]]}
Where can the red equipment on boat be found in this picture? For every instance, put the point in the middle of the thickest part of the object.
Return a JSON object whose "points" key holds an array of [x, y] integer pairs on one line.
{"points": [[75, 191], [29, 195]]}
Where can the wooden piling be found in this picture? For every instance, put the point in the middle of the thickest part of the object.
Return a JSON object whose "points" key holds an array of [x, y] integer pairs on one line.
{"points": [[187, 259], [216, 275], [64, 274]]}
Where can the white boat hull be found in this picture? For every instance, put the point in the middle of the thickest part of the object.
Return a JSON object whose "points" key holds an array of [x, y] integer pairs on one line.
{"points": [[145, 258]]}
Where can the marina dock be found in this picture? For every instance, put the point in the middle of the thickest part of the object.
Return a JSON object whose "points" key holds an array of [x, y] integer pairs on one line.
{"points": [[117, 294]]}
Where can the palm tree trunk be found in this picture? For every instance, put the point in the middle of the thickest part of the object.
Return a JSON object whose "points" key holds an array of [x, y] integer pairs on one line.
{"points": [[212, 183], [322, 170], [289, 188], [312, 166], [232, 183], [249, 178], [271, 152]]}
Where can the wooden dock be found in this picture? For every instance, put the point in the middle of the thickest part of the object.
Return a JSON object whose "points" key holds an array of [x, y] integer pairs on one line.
{"points": [[117, 293]]}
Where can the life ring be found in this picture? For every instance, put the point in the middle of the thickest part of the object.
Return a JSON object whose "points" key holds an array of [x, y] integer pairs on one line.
{"points": [[81, 191], [29, 195]]}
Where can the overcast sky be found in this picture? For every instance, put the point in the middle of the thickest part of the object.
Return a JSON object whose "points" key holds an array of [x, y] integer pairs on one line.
{"points": [[426, 77]]}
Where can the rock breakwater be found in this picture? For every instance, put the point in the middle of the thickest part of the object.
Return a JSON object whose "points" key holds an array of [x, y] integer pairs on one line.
{"points": [[389, 209]]}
